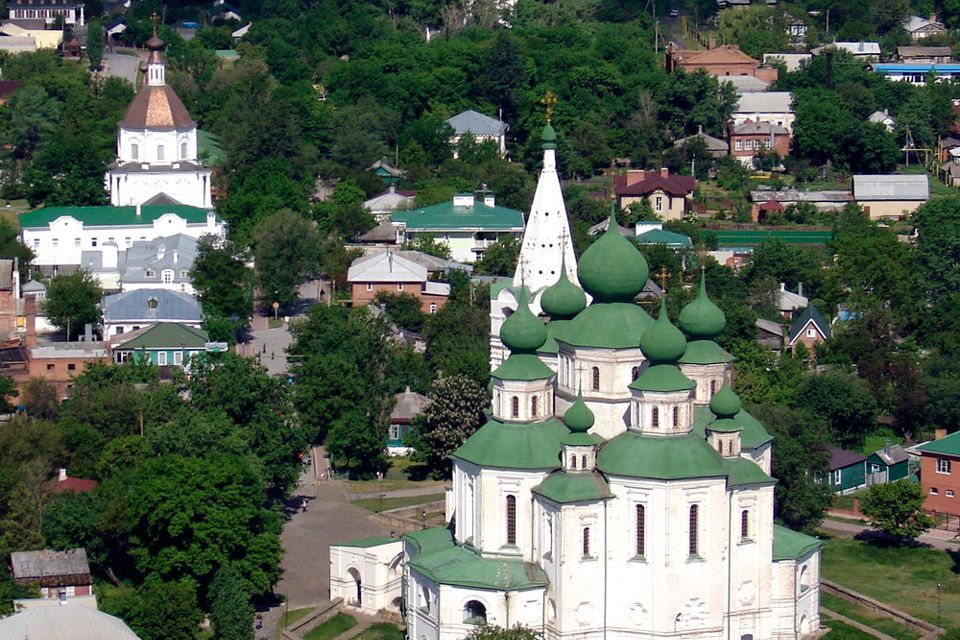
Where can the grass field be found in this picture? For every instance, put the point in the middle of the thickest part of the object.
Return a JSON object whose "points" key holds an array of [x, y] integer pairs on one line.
{"points": [[382, 631], [846, 501], [374, 504], [904, 577], [865, 616], [289, 617], [402, 474], [843, 631], [332, 627]]}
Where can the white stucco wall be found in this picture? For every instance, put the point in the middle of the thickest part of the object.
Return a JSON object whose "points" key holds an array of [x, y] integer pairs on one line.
{"points": [[380, 570]]}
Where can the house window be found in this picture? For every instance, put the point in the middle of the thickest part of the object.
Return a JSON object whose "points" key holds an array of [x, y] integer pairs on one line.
{"points": [[713, 388], [533, 406], [583, 461], [694, 540], [149, 273], [178, 358], [162, 358], [76, 242], [56, 243], [943, 465], [949, 493], [837, 476], [676, 416], [511, 520], [399, 286], [71, 366], [659, 203], [641, 533], [738, 145], [128, 241], [49, 367], [160, 152], [152, 303], [36, 243], [655, 417], [720, 446], [183, 150], [433, 308], [93, 242], [184, 274], [811, 332], [369, 286], [933, 490], [119, 330], [167, 276], [120, 357], [135, 151], [744, 525], [874, 468], [586, 542], [596, 379], [514, 407]]}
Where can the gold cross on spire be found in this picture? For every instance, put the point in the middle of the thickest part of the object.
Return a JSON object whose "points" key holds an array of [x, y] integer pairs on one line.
{"points": [[548, 101]]}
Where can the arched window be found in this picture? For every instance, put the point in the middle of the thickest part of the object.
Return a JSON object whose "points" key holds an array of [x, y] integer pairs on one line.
{"points": [[586, 542], [713, 387], [596, 379], [474, 613], [533, 406], [425, 598], [641, 538], [720, 446], [634, 373], [514, 407], [135, 151], [511, 520], [573, 462], [159, 152], [583, 462], [676, 416], [744, 524], [694, 543], [183, 150], [655, 417]]}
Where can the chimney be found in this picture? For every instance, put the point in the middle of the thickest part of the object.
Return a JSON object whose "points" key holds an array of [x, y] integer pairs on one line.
{"points": [[939, 434], [489, 199], [161, 251], [390, 260], [634, 176], [62, 475], [392, 188], [800, 289], [88, 332], [699, 129], [664, 172], [30, 311], [933, 16], [783, 286], [176, 256]]}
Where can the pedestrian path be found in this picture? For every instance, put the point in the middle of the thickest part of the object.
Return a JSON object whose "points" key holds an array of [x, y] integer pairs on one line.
{"points": [[853, 623]]}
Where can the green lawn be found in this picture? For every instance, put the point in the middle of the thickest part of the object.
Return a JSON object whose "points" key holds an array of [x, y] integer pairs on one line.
{"points": [[846, 501], [332, 627], [843, 631], [382, 631], [287, 618], [879, 440], [374, 504], [402, 474], [865, 616], [904, 577]]}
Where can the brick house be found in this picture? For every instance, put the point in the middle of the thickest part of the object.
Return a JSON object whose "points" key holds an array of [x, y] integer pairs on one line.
{"points": [[392, 273], [60, 362], [725, 60], [751, 138], [670, 196], [940, 474], [809, 328]]}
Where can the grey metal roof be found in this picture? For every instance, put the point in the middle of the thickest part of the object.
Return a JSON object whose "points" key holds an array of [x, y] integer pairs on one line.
{"points": [[924, 52], [745, 84], [880, 117], [409, 405], [769, 102], [386, 267], [713, 144], [174, 253], [795, 195], [135, 306], [64, 622], [891, 187], [855, 48], [47, 563], [33, 286], [474, 122], [893, 454], [914, 23], [750, 127]]}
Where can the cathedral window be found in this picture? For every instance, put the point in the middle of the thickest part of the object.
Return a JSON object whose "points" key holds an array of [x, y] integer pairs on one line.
{"points": [[167, 276], [160, 152], [713, 387], [474, 613], [744, 525], [534, 409], [596, 379], [635, 373], [641, 533], [511, 520], [720, 446], [586, 542], [676, 416], [655, 417], [573, 462], [694, 541], [425, 598], [514, 407], [583, 462]]}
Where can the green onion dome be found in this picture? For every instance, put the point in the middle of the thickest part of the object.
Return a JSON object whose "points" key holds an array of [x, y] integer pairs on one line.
{"points": [[612, 269], [549, 137], [725, 403], [563, 299], [578, 417], [663, 342], [523, 332], [701, 318]]}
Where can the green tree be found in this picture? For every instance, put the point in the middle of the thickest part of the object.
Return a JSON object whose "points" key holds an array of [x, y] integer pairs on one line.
{"points": [[456, 410], [286, 247], [427, 243], [40, 399], [11, 247], [357, 443], [492, 632], [95, 44], [844, 402], [8, 389], [870, 148], [158, 609], [72, 301], [222, 279], [938, 254], [231, 615], [896, 508], [403, 309], [500, 258]]}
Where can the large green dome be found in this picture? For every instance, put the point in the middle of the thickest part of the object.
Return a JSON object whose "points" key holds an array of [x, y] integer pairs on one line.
{"points": [[701, 318], [523, 332], [578, 417], [725, 403], [563, 299], [663, 342], [612, 269]]}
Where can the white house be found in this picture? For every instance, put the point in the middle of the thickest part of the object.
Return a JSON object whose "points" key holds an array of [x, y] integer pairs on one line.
{"points": [[157, 160], [70, 11], [775, 107], [869, 51], [482, 128], [883, 117]]}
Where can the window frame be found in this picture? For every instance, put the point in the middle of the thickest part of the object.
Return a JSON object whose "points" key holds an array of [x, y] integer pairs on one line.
{"points": [[511, 517], [640, 530], [693, 531], [943, 466]]}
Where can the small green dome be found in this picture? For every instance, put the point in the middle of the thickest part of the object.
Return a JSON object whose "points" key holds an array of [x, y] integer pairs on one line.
{"points": [[563, 299], [523, 332], [612, 269], [663, 342], [578, 417], [701, 318], [725, 404], [549, 137]]}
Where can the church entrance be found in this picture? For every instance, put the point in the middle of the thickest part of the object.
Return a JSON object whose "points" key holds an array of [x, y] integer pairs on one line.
{"points": [[359, 583]]}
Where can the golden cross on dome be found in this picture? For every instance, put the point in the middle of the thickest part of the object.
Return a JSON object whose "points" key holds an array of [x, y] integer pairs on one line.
{"points": [[548, 101]]}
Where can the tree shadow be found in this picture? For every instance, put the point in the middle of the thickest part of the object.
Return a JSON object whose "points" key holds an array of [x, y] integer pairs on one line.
{"points": [[417, 472], [884, 540], [955, 556], [296, 504]]}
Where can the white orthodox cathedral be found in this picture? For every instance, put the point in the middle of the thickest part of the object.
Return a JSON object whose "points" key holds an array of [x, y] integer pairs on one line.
{"points": [[157, 157], [618, 489]]}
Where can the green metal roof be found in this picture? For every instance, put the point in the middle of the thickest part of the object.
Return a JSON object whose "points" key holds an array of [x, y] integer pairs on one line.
{"points": [[554, 328], [704, 352], [499, 285], [667, 458], [949, 445], [752, 433], [736, 238], [661, 236], [580, 439], [607, 325], [366, 543], [662, 377], [461, 567], [564, 487], [430, 540], [167, 335], [724, 425], [112, 216], [523, 366], [515, 446], [446, 217], [742, 472], [790, 545]]}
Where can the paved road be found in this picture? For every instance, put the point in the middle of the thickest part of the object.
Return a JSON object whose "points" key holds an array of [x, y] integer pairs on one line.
{"points": [[121, 65], [936, 538]]}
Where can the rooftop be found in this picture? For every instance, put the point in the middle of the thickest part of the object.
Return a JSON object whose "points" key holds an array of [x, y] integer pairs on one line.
{"points": [[949, 445], [47, 563], [71, 622], [163, 335], [106, 216], [841, 458], [478, 124], [408, 405], [386, 267], [855, 48], [762, 128], [769, 102], [892, 186], [811, 313], [792, 545], [446, 216], [157, 107], [151, 305]]}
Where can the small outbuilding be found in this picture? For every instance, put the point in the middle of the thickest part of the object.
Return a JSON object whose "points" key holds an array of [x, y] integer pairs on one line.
{"points": [[62, 576], [847, 470]]}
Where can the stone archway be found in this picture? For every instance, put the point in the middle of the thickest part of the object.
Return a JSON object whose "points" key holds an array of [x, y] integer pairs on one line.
{"points": [[358, 581]]}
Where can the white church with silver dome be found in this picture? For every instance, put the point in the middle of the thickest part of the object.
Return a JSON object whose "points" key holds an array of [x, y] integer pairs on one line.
{"points": [[618, 489]]}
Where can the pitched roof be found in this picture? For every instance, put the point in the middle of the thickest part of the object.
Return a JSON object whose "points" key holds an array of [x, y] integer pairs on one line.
{"points": [[64, 623], [769, 102], [924, 52], [661, 236], [724, 54], [563, 487], [464, 568], [881, 117], [891, 187], [386, 267], [106, 216], [713, 144], [47, 563], [389, 200], [446, 216], [855, 48], [742, 472], [76, 485], [791, 545], [915, 23], [841, 458], [176, 253], [810, 314], [515, 446], [474, 122], [949, 445], [157, 107], [151, 305], [891, 455], [408, 405], [640, 456], [745, 84], [164, 335], [653, 181], [769, 326], [751, 128]]}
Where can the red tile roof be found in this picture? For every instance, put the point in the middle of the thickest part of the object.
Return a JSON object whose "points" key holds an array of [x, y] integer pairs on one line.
{"points": [[77, 485], [653, 181]]}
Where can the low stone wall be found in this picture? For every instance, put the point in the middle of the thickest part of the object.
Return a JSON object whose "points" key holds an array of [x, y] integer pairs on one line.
{"points": [[880, 607], [301, 627], [406, 519]]}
